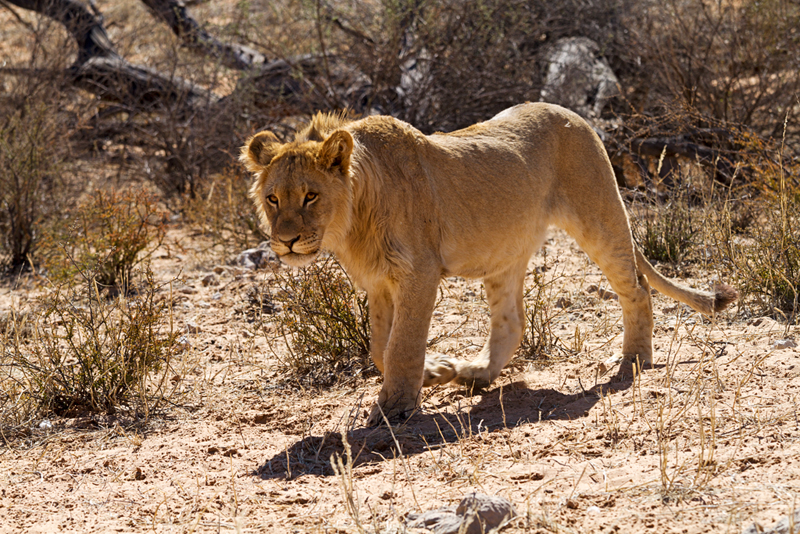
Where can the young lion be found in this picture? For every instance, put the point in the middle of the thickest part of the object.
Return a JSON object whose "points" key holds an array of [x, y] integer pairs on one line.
{"points": [[401, 210]]}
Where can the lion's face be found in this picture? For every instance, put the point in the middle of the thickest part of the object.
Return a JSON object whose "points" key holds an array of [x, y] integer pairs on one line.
{"points": [[301, 191]]}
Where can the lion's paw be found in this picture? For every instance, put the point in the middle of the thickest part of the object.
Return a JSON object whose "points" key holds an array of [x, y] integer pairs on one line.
{"points": [[474, 376], [629, 365], [379, 416], [440, 369]]}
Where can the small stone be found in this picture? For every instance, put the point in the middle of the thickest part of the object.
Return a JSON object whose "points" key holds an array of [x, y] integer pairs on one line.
{"points": [[192, 328], [219, 269], [787, 525], [593, 510], [787, 343], [475, 514], [563, 302], [184, 343], [203, 304], [139, 474], [210, 280], [255, 258], [602, 292], [45, 424], [216, 296]]}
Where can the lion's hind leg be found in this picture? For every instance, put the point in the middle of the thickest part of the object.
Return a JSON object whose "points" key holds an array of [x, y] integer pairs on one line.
{"points": [[504, 292], [606, 238]]}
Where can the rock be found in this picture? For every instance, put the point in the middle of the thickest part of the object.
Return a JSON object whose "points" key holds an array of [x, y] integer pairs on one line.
{"points": [[578, 77], [475, 514], [255, 258], [184, 343], [603, 293], [219, 269], [787, 343], [203, 304], [787, 525], [210, 279], [192, 327], [563, 302]]}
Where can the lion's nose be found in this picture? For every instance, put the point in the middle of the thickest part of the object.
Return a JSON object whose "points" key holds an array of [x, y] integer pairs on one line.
{"points": [[289, 242]]}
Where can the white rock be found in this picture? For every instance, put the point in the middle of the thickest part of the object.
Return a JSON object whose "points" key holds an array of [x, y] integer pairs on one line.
{"points": [[787, 343]]}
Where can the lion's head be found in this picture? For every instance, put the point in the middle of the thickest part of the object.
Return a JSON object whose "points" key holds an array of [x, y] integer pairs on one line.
{"points": [[301, 191]]}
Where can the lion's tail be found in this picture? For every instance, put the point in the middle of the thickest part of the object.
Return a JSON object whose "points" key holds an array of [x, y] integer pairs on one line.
{"points": [[703, 301]]}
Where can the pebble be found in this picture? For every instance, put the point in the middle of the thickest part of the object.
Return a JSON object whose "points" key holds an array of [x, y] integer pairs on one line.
{"points": [[210, 280], [787, 343], [255, 258], [192, 328], [475, 514], [603, 293]]}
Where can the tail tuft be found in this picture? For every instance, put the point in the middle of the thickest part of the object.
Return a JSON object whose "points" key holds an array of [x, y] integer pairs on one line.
{"points": [[724, 295]]}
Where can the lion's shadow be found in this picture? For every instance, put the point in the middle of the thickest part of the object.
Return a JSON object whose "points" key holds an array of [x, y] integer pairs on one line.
{"points": [[509, 406]]}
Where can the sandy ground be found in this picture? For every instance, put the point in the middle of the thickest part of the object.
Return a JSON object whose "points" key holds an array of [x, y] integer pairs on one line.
{"points": [[705, 442]]}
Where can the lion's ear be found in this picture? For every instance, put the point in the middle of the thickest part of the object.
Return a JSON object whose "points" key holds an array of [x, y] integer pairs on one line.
{"points": [[335, 152], [259, 150]]}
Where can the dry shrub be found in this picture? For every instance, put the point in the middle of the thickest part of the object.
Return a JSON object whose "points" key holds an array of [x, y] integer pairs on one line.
{"points": [[447, 64], [88, 353], [325, 324], [107, 237], [31, 190], [540, 343], [766, 255], [731, 61], [667, 232], [223, 211]]}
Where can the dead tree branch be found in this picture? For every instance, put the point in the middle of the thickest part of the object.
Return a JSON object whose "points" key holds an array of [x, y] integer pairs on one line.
{"points": [[175, 14]]}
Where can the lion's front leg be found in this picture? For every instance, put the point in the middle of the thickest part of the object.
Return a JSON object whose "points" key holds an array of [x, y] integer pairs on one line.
{"points": [[404, 357], [381, 314]]}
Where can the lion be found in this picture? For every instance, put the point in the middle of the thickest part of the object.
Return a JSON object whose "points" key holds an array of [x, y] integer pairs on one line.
{"points": [[401, 210]]}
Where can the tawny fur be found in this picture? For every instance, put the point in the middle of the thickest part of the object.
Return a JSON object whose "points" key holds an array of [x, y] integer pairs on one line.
{"points": [[401, 210]]}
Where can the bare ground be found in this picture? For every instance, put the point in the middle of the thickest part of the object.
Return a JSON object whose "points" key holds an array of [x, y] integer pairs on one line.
{"points": [[705, 442]]}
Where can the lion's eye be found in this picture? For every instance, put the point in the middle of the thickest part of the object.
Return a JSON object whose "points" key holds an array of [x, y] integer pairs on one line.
{"points": [[311, 197], [272, 199]]}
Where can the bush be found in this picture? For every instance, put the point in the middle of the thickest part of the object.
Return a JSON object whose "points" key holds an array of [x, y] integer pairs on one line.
{"points": [[223, 211], [767, 255], [106, 238], [89, 354], [30, 161], [324, 322], [667, 233], [539, 342]]}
